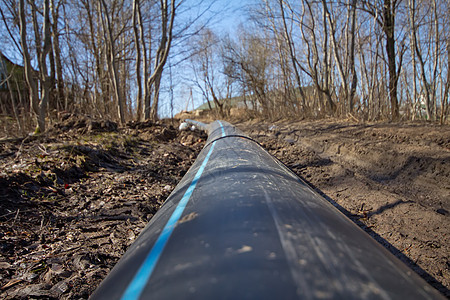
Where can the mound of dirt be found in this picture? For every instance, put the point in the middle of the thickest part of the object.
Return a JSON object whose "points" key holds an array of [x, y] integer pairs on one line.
{"points": [[393, 180], [81, 124], [71, 202]]}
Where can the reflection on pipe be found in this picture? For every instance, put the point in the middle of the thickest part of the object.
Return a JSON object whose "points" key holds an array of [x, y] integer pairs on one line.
{"points": [[240, 225]]}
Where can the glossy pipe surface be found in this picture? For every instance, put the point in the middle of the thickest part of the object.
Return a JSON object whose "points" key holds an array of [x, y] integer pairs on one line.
{"points": [[240, 225]]}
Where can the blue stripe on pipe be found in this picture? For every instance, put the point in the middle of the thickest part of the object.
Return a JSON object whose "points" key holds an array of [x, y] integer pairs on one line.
{"points": [[221, 127], [137, 284]]}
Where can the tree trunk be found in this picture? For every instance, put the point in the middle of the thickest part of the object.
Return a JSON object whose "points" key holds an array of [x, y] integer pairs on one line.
{"points": [[434, 79], [155, 103], [445, 104], [99, 80], [426, 85], [216, 100], [294, 61], [412, 19], [114, 75], [352, 68], [57, 55], [161, 57], [29, 76], [337, 58], [145, 71], [325, 88], [388, 28], [52, 99], [45, 80], [137, 42]]}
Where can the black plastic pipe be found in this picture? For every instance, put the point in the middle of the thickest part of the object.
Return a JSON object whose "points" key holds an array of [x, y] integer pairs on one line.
{"points": [[240, 225]]}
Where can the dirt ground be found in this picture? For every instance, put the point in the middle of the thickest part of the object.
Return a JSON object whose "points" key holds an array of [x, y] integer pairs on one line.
{"points": [[393, 180], [72, 201]]}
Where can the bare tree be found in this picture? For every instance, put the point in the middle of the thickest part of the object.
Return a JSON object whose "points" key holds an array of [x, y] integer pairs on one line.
{"points": [[318, 63], [336, 52], [385, 13], [294, 61], [445, 97], [137, 25], [167, 15], [55, 7], [413, 39], [205, 65], [112, 61], [416, 52], [39, 104], [351, 6]]}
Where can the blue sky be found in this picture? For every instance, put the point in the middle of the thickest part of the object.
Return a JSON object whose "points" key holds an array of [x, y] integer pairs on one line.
{"points": [[224, 18], [234, 13]]}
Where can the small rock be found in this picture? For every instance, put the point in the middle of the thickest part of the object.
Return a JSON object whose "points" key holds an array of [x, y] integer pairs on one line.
{"points": [[183, 126], [290, 141], [59, 288], [34, 290], [442, 211], [4, 265]]}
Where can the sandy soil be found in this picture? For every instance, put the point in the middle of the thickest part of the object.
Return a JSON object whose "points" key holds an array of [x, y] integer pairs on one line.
{"points": [[72, 201], [393, 180]]}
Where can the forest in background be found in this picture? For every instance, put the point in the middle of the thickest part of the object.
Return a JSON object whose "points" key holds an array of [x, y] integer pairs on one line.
{"points": [[368, 60]]}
